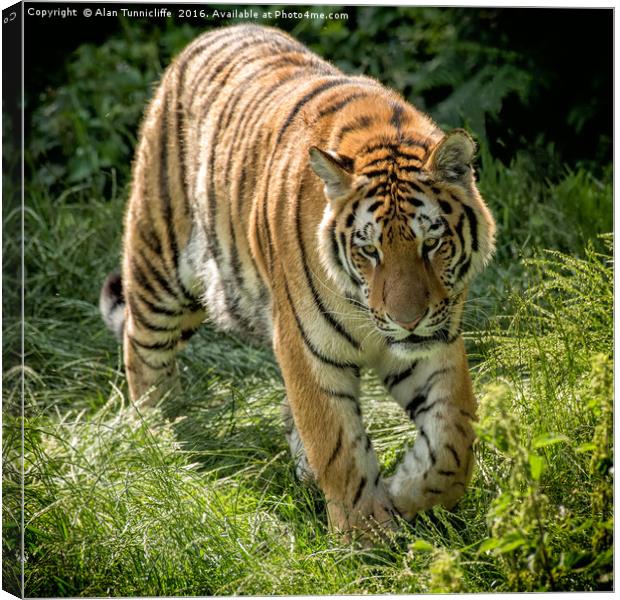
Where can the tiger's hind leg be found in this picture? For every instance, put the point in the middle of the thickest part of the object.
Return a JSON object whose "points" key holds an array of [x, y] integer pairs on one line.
{"points": [[298, 452], [159, 321], [162, 309], [152, 333]]}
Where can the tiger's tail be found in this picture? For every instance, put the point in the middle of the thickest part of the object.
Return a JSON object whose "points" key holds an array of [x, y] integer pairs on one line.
{"points": [[112, 304]]}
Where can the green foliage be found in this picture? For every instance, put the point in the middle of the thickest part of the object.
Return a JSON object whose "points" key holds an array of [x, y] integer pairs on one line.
{"points": [[421, 52], [89, 125], [550, 526]]}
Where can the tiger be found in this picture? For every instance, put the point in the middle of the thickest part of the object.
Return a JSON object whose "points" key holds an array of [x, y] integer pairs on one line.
{"points": [[321, 215]]}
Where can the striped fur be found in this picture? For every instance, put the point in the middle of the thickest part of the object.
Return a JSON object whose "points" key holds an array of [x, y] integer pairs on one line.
{"points": [[323, 215]]}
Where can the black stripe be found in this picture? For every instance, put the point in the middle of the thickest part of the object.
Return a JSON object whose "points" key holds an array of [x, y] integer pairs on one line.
{"points": [[340, 104], [376, 161], [232, 58], [146, 361], [181, 143], [473, 226], [381, 144], [446, 473], [409, 168], [423, 409], [336, 449], [250, 114], [397, 116], [338, 243], [464, 269], [391, 381], [422, 393], [342, 243], [346, 480], [403, 154], [376, 172], [334, 242], [414, 403], [460, 429], [342, 395], [457, 460], [150, 238], [334, 323], [248, 123], [446, 207], [432, 491], [164, 191], [311, 347], [412, 142], [158, 309], [415, 187], [144, 281], [428, 443], [396, 147], [379, 186], [166, 346], [359, 491], [360, 123], [212, 238], [459, 232], [304, 100], [265, 68], [211, 41], [375, 205], [156, 274], [138, 315]]}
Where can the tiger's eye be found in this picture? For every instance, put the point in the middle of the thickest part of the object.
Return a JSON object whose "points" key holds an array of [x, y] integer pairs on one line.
{"points": [[430, 243], [370, 250]]}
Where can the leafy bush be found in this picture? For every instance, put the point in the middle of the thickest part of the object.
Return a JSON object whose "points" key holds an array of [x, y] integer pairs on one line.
{"points": [[549, 428], [435, 57], [89, 125]]}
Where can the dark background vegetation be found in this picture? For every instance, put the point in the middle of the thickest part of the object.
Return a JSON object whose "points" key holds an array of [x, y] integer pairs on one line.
{"points": [[534, 86], [521, 79]]}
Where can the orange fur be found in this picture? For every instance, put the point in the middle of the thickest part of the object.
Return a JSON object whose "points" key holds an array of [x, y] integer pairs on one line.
{"points": [[322, 214]]}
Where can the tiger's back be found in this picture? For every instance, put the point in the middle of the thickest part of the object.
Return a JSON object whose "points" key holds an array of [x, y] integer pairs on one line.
{"points": [[241, 101], [321, 213]]}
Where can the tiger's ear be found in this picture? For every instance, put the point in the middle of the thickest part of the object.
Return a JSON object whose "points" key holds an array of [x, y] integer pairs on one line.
{"points": [[334, 170], [451, 158]]}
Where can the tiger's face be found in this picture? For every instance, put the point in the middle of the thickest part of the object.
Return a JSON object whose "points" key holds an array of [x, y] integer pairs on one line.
{"points": [[404, 234]]}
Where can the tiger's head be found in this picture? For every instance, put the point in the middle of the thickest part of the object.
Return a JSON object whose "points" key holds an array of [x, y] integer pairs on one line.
{"points": [[404, 232]]}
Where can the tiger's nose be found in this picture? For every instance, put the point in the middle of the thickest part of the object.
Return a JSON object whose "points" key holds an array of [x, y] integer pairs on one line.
{"points": [[409, 325]]}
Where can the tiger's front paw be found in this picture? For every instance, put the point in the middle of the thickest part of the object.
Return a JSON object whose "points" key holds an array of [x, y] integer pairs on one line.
{"points": [[413, 495], [372, 519], [405, 498]]}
